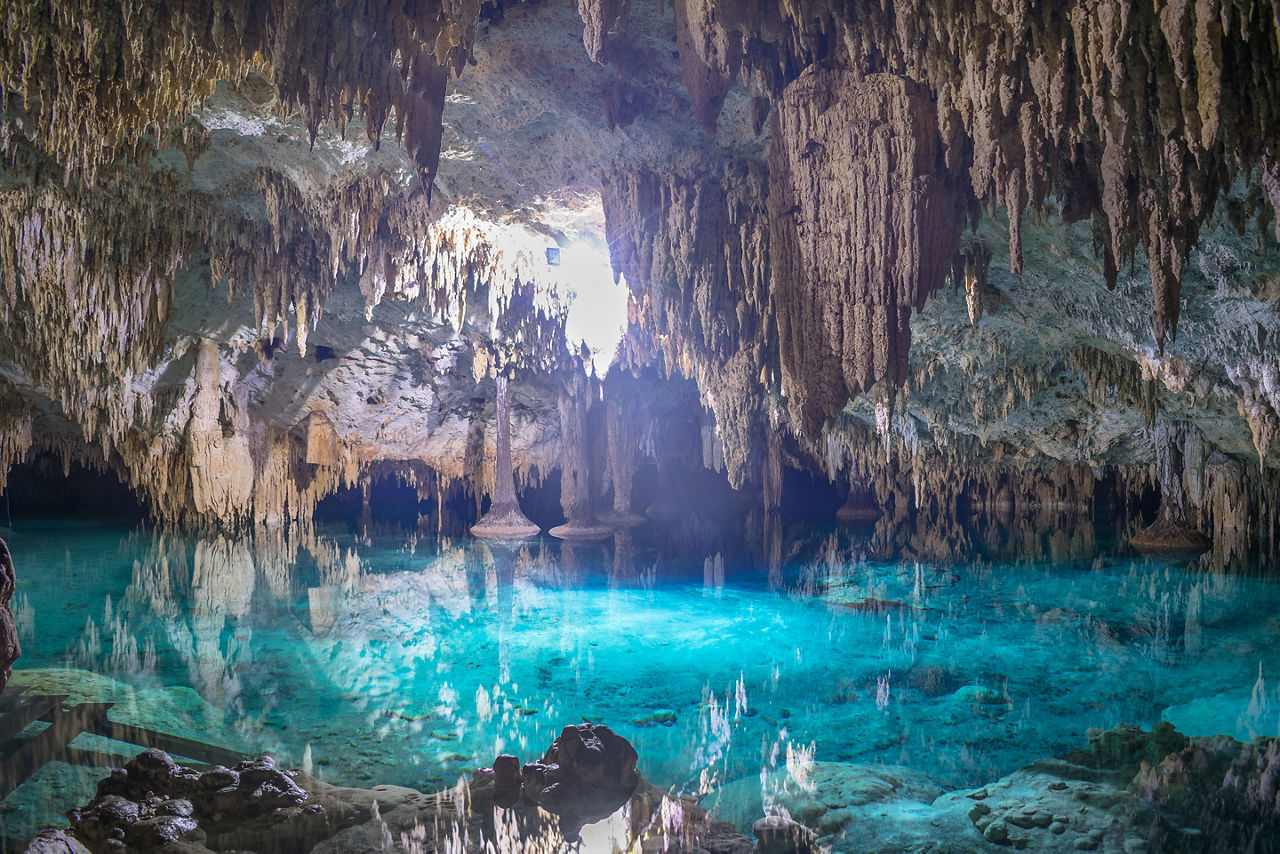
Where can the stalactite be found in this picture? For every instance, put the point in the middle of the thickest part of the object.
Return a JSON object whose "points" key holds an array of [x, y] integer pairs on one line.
{"points": [[89, 82], [1113, 376], [863, 230], [972, 264], [696, 258], [1259, 403], [622, 416], [601, 18], [771, 485], [706, 76], [15, 432], [1114, 108], [1270, 175]]}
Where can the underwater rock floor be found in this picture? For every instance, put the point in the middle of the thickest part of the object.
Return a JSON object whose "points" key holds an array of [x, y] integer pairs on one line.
{"points": [[409, 660]]}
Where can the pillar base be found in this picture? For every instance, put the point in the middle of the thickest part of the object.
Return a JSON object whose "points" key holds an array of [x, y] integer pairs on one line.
{"points": [[1165, 536], [581, 531], [663, 511], [851, 514], [504, 525]]}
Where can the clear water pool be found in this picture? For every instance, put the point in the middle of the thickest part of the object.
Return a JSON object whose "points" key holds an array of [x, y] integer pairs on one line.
{"points": [[409, 659]]}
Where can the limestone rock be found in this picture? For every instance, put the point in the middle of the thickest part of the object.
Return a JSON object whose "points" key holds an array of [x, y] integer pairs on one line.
{"points": [[1125, 152], [778, 835], [55, 842], [863, 229], [10, 648], [587, 774]]}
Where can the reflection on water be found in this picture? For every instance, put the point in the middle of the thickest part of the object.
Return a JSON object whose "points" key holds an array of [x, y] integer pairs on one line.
{"points": [[408, 658]]}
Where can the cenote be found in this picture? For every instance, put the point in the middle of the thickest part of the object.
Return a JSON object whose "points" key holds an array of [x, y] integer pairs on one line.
{"points": [[631, 426]]}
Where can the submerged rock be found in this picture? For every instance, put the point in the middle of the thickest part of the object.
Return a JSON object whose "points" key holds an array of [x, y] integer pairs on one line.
{"points": [[836, 800], [153, 801], [780, 835], [1129, 791], [1167, 536]]}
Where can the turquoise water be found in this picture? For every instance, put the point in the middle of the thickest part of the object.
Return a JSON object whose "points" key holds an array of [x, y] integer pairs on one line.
{"points": [[409, 659]]}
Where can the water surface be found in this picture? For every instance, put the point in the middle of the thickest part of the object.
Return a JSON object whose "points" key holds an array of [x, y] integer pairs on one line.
{"points": [[408, 658]]}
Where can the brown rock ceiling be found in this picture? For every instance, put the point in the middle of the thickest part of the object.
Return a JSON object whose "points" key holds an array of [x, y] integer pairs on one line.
{"points": [[979, 248]]}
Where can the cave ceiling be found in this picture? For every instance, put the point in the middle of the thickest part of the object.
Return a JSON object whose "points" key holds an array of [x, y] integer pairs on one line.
{"points": [[249, 252]]}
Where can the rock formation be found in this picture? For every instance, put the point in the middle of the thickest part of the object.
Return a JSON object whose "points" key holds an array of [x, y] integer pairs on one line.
{"points": [[622, 421], [10, 649], [287, 239], [504, 520], [862, 230], [152, 802], [1170, 532], [586, 775], [576, 496]]}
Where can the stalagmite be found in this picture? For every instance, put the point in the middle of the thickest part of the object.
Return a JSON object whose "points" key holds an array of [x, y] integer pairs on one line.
{"points": [[858, 507], [505, 520], [575, 481]]}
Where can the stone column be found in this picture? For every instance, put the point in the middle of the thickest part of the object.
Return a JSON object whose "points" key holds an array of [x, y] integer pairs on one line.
{"points": [[505, 520], [1171, 532], [620, 423], [575, 484]]}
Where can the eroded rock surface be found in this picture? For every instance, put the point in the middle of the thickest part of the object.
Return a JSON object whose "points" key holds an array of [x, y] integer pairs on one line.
{"points": [[587, 774], [1130, 791], [10, 648]]}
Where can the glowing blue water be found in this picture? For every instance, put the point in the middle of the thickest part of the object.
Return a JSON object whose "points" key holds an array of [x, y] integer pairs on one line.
{"points": [[409, 661]]}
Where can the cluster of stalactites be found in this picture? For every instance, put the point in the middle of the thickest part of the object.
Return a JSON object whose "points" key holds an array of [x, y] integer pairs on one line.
{"points": [[527, 335], [1136, 115], [15, 431], [863, 228], [96, 78], [84, 307], [695, 254], [1111, 377]]}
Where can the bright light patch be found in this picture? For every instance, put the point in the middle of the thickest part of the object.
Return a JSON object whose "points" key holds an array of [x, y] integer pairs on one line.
{"points": [[597, 306], [582, 281]]}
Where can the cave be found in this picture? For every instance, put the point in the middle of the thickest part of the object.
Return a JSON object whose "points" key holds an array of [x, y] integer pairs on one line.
{"points": [[628, 425]]}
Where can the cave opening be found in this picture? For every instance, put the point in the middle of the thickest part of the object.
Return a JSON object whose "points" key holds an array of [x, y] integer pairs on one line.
{"points": [[43, 487]]}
